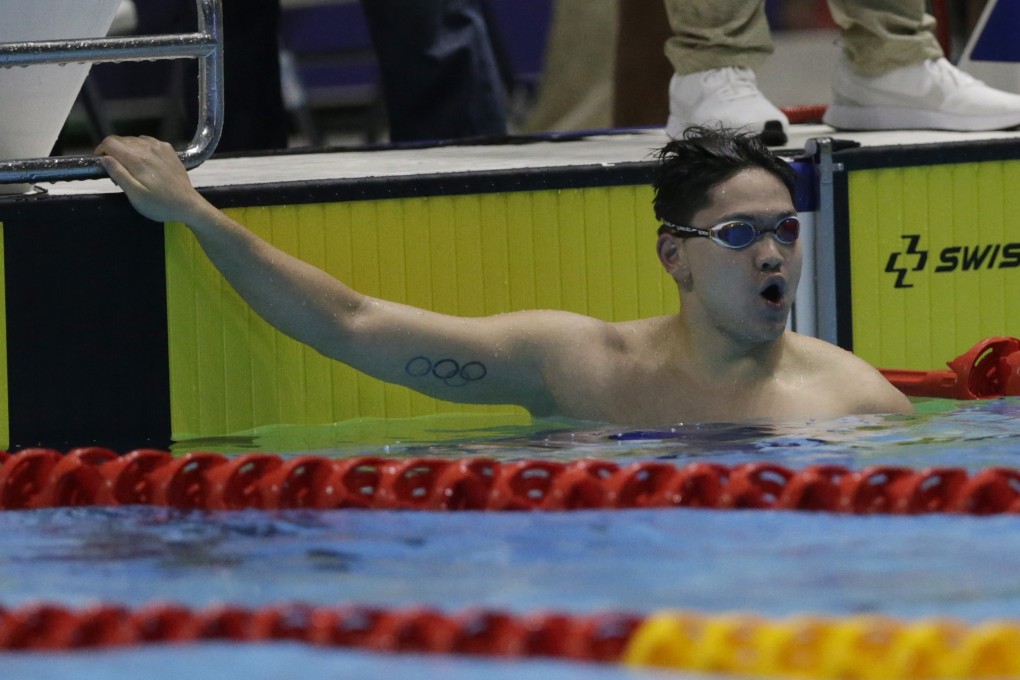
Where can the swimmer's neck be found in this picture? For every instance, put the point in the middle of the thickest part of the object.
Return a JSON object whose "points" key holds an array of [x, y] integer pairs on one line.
{"points": [[709, 353]]}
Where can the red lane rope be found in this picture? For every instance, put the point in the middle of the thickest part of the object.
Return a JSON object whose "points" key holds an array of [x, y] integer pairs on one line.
{"points": [[599, 637], [39, 478], [988, 370], [802, 646]]}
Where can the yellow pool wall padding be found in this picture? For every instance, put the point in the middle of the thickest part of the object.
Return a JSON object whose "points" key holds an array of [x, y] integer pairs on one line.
{"points": [[943, 314], [586, 250]]}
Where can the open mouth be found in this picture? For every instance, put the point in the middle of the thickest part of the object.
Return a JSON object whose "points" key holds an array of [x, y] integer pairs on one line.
{"points": [[773, 293]]}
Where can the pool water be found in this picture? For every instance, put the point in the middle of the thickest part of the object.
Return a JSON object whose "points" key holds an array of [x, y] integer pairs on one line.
{"points": [[639, 561]]}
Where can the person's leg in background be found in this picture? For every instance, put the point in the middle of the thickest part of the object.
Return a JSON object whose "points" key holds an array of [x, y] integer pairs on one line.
{"points": [[892, 74], [254, 114], [575, 91], [715, 46], [641, 73], [883, 35], [440, 74], [254, 117]]}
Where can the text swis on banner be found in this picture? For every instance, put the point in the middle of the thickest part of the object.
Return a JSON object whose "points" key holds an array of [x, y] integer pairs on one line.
{"points": [[913, 257]]}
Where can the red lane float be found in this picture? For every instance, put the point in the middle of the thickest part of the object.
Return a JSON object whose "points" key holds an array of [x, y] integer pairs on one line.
{"points": [[38, 478], [988, 370], [599, 637], [727, 643]]}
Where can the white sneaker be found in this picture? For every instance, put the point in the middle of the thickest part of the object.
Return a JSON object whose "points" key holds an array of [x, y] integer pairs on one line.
{"points": [[932, 95], [726, 96]]}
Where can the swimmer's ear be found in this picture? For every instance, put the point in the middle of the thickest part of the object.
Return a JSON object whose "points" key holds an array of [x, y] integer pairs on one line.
{"points": [[668, 250], [666, 247], [673, 257]]}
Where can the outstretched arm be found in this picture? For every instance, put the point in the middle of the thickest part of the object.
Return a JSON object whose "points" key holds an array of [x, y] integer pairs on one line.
{"points": [[290, 294], [496, 359]]}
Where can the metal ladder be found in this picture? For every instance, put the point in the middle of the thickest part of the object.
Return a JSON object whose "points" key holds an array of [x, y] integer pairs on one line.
{"points": [[206, 45]]}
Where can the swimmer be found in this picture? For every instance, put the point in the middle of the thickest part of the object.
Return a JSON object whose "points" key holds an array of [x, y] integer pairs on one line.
{"points": [[728, 238]]}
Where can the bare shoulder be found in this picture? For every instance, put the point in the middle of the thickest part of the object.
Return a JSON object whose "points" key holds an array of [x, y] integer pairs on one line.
{"points": [[563, 341], [862, 388], [555, 332]]}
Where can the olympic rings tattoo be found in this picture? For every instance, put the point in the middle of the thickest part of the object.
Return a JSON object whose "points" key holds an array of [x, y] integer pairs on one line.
{"points": [[452, 373]]}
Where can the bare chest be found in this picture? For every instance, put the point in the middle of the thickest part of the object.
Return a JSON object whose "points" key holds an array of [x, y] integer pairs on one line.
{"points": [[639, 396]]}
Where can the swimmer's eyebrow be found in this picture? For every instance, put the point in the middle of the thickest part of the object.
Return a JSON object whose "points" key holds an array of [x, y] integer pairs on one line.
{"points": [[757, 218]]}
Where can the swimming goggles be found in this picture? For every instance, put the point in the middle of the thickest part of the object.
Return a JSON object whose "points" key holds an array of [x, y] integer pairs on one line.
{"points": [[738, 233]]}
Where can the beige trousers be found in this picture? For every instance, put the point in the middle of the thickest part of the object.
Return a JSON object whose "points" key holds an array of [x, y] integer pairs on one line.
{"points": [[878, 35]]}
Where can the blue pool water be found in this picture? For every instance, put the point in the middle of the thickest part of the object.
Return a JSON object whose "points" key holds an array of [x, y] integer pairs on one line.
{"points": [[771, 563]]}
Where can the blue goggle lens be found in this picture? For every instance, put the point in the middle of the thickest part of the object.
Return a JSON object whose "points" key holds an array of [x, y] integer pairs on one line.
{"points": [[740, 234]]}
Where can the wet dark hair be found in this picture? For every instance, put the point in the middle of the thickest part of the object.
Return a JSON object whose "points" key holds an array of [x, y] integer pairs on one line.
{"points": [[704, 157]]}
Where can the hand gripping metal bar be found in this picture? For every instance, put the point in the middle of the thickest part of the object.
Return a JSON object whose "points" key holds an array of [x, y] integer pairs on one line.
{"points": [[206, 45]]}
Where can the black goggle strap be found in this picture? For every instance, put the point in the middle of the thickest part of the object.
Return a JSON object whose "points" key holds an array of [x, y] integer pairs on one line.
{"points": [[681, 231]]}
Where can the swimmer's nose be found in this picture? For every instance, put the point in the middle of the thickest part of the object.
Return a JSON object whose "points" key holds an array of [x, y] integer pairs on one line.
{"points": [[768, 255]]}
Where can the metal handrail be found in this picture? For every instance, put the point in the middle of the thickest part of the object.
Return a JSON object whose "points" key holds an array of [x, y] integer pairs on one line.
{"points": [[206, 45]]}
